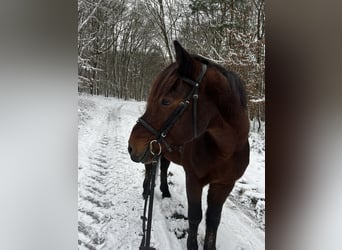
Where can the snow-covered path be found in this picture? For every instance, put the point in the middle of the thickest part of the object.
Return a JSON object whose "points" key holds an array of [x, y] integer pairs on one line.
{"points": [[110, 185]]}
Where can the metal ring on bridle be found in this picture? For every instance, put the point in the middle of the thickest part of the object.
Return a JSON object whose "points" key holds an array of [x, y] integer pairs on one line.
{"points": [[151, 147]]}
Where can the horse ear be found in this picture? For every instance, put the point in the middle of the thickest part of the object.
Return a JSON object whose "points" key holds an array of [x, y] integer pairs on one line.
{"points": [[183, 59]]}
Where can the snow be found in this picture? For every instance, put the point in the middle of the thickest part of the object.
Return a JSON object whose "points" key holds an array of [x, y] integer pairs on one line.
{"points": [[110, 186]]}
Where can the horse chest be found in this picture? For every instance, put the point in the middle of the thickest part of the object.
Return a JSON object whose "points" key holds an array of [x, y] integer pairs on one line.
{"points": [[207, 163]]}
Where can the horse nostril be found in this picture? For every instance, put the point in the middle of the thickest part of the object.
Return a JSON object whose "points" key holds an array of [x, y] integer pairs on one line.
{"points": [[129, 149]]}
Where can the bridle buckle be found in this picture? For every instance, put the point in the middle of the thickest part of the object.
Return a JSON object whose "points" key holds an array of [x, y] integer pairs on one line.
{"points": [[151, 148]]}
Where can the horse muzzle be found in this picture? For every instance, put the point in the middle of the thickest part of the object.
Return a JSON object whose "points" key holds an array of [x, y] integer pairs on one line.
{"points": [[138, 157], [154, 149]]}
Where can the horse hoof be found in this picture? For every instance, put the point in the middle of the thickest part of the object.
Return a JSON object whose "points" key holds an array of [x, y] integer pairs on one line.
{"points": [[209, 248], [210, 241], [192, 244]]}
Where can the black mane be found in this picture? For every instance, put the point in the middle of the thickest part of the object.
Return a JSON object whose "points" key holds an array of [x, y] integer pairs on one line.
{"points": [[238, 85]]}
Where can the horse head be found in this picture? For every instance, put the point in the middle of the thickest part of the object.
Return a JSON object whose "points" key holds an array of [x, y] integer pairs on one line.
{"points": [[177, 110]]}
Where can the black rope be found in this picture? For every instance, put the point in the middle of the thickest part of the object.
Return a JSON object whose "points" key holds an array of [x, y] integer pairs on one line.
{"points": [[145, 242]]}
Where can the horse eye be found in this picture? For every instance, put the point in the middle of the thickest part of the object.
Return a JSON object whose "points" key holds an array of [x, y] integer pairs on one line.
{"points": [[165, 102]]}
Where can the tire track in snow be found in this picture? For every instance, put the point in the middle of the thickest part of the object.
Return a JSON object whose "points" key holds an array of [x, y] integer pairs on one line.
{"points": [[93, 201], [126, 183], [108, 186], [95, 188]]}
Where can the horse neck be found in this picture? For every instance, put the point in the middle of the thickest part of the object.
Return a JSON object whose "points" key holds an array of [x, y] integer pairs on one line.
{"points": [[229, 135]]}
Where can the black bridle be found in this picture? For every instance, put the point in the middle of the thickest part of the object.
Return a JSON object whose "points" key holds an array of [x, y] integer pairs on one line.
{"points": [[176, 114], [160, 137]]}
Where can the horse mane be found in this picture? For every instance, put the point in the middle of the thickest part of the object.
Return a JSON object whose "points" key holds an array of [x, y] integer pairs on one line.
{"points": [[237, 84], [169, 76]]}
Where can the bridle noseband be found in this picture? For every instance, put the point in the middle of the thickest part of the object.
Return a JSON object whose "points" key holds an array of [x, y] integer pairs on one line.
{"points": [[176, 114]]}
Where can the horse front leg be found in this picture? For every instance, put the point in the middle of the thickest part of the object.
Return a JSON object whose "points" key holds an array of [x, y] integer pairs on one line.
{"points": [[164, 187], [146, 190], [217, 195], [194, 195]]}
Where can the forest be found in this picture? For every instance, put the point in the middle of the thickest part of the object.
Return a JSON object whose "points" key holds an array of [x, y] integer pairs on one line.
{"points": [[124, 44]]}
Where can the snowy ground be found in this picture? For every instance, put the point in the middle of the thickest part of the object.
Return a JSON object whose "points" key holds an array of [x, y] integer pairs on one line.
{"points": [[110, 185]]}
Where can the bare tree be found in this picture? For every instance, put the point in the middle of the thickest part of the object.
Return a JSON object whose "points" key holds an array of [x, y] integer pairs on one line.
{"points": [[123, 44]]}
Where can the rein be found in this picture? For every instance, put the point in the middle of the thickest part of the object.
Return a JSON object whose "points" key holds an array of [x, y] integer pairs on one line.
{"points": [[145, 242], [176, 114]]}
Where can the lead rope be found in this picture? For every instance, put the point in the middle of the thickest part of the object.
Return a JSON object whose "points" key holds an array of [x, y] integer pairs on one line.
{"points": [[145, 242]]}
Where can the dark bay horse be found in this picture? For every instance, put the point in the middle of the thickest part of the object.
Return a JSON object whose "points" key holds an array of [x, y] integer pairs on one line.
{"points": [[196, 115]]}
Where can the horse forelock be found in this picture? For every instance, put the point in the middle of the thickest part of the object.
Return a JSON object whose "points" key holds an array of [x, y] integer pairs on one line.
{"points": [[163, 83]]}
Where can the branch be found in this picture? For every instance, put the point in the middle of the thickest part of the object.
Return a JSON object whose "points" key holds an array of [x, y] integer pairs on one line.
{"points": [[90, 16]]}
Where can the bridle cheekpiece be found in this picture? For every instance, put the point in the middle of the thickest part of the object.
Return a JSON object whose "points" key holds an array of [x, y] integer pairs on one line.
{"points": [[176, 114]]}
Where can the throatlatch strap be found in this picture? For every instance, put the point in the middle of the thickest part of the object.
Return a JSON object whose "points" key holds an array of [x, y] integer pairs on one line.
{"points": [[194, 94]]}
